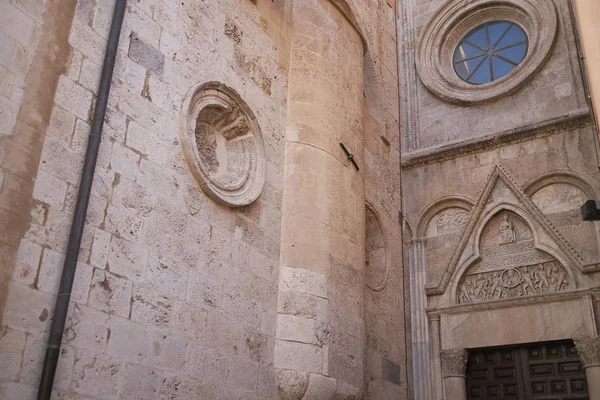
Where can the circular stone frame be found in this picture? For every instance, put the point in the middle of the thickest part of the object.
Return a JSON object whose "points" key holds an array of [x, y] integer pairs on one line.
{"points": [[217, 127], [446, 28]]}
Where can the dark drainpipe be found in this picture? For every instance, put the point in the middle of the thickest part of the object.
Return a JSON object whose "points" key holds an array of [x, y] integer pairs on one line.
{"points": [[83, 198]]}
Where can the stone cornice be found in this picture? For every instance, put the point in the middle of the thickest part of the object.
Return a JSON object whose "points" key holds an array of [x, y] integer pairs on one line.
{"points": [[435, 312], [575, 120]]}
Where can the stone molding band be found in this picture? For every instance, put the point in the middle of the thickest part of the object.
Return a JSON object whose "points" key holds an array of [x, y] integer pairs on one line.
{"points": [[436, 312], [418, 158]]}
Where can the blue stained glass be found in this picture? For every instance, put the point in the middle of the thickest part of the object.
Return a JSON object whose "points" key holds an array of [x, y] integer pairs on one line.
{"points": [[514, 54], [465, 67], [478, 38], [501, 68], [483, 73], [498, 29], [490, 51], [514, 35], [465, 52]]}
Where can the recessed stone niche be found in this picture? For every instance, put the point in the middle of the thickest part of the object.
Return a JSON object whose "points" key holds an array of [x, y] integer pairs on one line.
{"points": [[376, 257], [223, 145]]}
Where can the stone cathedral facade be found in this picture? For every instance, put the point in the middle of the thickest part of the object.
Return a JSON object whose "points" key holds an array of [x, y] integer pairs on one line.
{"points": [[301, 200], [499, 152]]}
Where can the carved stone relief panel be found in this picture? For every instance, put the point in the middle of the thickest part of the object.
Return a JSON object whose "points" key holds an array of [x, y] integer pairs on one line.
{"points": [[450, 220], [223, 145], [443, 232], [510, 265], [376, 257]]}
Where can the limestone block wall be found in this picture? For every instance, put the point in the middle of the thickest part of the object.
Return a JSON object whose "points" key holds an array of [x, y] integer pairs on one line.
{"points": [[177, 296], [323, 224], [388, 367], [34, 54]]}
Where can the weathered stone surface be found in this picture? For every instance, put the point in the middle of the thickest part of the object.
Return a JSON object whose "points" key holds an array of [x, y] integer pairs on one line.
{"points": [[177, 296], [391, 371], [146, 55], [300, 356], [292, 385], [12, 344]]}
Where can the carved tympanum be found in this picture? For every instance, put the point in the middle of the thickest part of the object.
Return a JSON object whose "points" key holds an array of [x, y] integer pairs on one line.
{"points": [[588, 350], [454, 362], [511, 265], [223, 145]]}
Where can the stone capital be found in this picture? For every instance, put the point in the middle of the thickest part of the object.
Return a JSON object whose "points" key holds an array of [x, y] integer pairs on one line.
{"points": [[454, 362], [589, 351]]}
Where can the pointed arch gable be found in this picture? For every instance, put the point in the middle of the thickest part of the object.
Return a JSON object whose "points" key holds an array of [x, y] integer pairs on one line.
{"points": [[497, 177], [490, 213]]}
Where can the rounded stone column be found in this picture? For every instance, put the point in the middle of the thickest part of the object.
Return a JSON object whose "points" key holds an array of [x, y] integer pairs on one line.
{"points": [[434, 324], [454, 370], [320, 337], [589, 352]]}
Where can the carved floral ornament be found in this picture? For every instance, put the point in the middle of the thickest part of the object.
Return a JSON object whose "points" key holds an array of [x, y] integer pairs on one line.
{"points": [[454, 362], [456, 18], [451, 220], [589, 351], [223, 145]]}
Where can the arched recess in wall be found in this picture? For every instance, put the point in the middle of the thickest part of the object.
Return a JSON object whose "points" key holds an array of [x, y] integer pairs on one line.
{"points": [[438, 229], [407, 229], [559, 195], [408, 256], [377, 263], [509, 260], [560, 177]]}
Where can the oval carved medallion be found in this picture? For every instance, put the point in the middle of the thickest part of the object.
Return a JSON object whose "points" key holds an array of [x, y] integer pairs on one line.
{"points": [[223, 145]]}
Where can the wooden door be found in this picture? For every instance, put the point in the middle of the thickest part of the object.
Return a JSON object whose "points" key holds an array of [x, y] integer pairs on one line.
{"points": [[541, 371]]}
